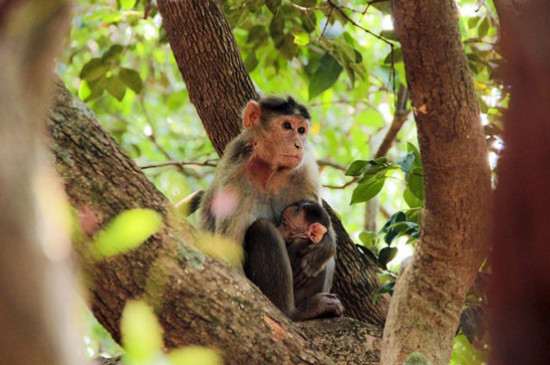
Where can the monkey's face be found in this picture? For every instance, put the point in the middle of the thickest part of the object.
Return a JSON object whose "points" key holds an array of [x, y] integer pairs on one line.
{"points": [[295, 225], [284, 139]]}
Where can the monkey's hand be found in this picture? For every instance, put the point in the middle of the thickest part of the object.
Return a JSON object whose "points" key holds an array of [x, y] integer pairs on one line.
{"points": [[313, 258]]}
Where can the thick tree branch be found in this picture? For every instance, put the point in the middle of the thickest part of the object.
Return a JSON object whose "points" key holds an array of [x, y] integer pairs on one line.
{"points": [[198, 300], [428, 296]]}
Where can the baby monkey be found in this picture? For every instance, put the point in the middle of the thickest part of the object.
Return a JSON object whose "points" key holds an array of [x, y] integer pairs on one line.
{"points": [[303, 225]]}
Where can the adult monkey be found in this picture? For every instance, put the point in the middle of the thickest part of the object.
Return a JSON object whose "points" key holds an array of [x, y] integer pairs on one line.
{"points": [[264, 169]]}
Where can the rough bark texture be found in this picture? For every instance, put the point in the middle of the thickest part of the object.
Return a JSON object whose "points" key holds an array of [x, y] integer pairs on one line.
{"points": [[198, 300], [425, 308], [219, 87], [211, 65], [519, 293], [34, 326]]}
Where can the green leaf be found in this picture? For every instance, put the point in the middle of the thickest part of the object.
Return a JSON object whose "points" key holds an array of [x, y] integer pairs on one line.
{"points": [[112, 54], [382, 6], [195, 355], [386, 255], [277, 29], [127, 231], [356, 168], [472, 22], [483, 28], [273, 5], [116, 87], [386, 288], [368, 238], [141, 332], [132, 79], [94, 69], [301, 38], [412, 200], [407, 163], [254, 5], [251, 62], [127, 4], [97, 87], [366, 191], [389, 34], [416, 185], [287, 46], [257, 35], [397, 56], [326, 75]]}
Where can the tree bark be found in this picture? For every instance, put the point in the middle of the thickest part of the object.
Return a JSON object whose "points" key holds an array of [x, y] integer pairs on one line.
{"points": [[35, 327], [426, 305], [211, 65], [219, 87], [198, 300], [521, 275]]}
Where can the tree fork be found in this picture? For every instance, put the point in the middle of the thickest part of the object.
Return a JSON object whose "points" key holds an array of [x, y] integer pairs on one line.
{"points": [[219, 87], [198, 300]]}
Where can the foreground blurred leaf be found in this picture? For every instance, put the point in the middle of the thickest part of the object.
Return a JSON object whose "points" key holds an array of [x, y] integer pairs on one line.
{"points": [[220, 248], [195, 355], [141, 332], [127, 231]]}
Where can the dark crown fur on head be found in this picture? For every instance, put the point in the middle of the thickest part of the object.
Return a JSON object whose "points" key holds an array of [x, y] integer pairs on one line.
{"points": [[274, 106]]}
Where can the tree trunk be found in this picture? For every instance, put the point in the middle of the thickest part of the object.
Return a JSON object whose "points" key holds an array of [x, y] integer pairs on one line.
{"points": [[211, 65], [521, 275], [219, 87], [426, 305], [198, 300], [35, 327]]}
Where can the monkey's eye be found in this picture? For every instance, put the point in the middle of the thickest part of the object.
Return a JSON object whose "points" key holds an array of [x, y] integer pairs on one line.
{"points": [[287, 125], [301, 130]]}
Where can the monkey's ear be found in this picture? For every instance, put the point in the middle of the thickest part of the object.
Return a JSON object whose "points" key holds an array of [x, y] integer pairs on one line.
{"points": [[316, 231], [251, 115]]}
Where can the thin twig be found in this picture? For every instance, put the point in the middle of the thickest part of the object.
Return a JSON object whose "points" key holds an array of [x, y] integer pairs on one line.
{"points": [[399, 117], [339, 187], [337, 166], [208, 163]]}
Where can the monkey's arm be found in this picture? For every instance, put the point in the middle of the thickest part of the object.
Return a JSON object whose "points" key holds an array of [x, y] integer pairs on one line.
{"points": [[314, 258]]}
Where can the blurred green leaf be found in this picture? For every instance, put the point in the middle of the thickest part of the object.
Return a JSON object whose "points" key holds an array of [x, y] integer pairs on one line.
{"points": [[386, 288], [483, 28], [251, 62], [326, 75], [94, 69], [416, 185], [273, 5], [112, 54], [132, 79], [141, 332], [301, 38], [412, 200], [116, 87], [368, 238], [127, 4], [127, 231], [195, 355], [386, 255]]}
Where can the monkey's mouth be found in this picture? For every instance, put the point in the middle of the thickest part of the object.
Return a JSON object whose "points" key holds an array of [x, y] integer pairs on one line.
{"points": [[297, 157]]}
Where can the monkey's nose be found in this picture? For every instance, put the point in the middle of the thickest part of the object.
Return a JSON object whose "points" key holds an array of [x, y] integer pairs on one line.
{"points": [[297, 146]]}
